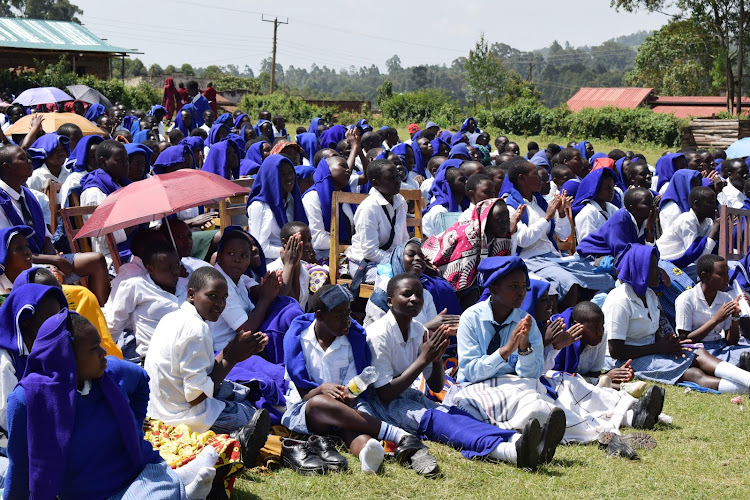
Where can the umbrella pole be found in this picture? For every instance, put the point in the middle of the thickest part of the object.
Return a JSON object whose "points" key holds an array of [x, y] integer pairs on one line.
{"points": [[169, 230]]}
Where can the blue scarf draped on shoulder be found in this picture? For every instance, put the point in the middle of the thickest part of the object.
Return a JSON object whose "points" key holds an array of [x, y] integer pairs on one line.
{"points": [[679, 189], [441, 190], [568, 358], [50, 383], [216, 160], [515, 199], [95, 112], [633, 266], [180, 124], [42, 147], [173, 155], [79, 155], [294, 357], [267, 189], [135, 127], [460, 149], [309, 143], [36, 240], [589, 187], [313, 128], [537, 290], [325, 188], [667, 165], [331, 137], [581, 146], [612, 237], [102, 180]]}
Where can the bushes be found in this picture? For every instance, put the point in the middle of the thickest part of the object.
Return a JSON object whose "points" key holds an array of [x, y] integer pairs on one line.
{"points": [[420, 106], [294, 109]]}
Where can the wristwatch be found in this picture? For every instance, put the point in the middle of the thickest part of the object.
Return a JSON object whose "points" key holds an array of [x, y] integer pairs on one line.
{"points": [[525, 352]]}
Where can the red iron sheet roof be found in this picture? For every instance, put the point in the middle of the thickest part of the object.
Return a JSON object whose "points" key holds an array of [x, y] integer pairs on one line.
{"points": [[599, 97], [681, 111]]}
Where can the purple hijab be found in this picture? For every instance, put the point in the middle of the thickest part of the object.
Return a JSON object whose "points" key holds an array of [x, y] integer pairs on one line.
{"points": [[79, 155], [633, 266], [325, 188], [679, 189], [667, 165], [216, 160], [441, 190], [42, 147], [588, 188]]}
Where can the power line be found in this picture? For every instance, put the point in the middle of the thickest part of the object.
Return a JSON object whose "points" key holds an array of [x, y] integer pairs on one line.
{"points": [[276, 23]]}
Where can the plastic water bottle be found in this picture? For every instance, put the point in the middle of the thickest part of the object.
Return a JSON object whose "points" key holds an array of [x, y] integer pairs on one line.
{"points": [[361, 382]]}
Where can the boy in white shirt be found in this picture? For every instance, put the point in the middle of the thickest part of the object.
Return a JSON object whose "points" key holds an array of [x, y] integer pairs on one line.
{"points": [[735, 172], [186, 379]]}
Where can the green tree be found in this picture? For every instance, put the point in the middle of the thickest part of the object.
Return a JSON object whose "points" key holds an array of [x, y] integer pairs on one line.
{"points": [[187, 69], [170, 69], [212, 71], [485, 75], [155, 70], [52, 10], [385, 92]]}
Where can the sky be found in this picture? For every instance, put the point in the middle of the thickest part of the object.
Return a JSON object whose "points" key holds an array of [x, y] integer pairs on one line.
{"points": [[340, 34]]}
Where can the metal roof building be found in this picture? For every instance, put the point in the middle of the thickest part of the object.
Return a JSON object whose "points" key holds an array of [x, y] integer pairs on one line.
{"points": [[24, 42], [619, 97]]}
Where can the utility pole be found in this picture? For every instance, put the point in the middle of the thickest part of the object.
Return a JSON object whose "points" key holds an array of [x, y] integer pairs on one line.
{"points": [[276, 23]]}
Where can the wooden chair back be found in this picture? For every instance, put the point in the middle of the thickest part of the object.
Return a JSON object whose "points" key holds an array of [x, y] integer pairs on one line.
{"points": [[414, 220], [569, 244], [77, 214], [53, 194], [734, 232], [337, 247]]}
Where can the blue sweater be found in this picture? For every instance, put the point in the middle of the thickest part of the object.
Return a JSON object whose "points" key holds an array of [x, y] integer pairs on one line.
{"points": [[98, 466]]}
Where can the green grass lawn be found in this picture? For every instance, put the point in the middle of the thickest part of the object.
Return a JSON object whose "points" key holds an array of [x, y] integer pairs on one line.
{"points": [[704, 454]]}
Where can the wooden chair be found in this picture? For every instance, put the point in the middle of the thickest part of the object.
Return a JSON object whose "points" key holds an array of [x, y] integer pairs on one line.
{"points": [[53, 194], [414, 220], [734, 232], [231, 209], [569, 244], [76, 214], [337, 248], [244, 182]]}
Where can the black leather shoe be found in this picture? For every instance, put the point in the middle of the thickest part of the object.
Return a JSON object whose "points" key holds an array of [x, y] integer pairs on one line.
{"points": [[744, 363], [619, 448], [527, 446], [424, 463], [407, 447], [299, 456], [553, 431], [252, 436], [325, 449], [646, 411]]}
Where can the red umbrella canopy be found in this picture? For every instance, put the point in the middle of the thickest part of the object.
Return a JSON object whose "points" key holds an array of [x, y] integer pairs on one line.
{"points": [[157, 197]]}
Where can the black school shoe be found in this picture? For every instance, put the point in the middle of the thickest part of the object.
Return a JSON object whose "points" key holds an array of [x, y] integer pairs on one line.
{"points": [[646, 411], [252, 436], [300, 457], [414, 452], [617, 447], [744, 363], [553, 431], [325, 449], [527, 446]]}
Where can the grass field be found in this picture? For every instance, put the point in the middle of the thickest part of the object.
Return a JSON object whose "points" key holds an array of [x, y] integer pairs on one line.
{"points": [[704, 454]]}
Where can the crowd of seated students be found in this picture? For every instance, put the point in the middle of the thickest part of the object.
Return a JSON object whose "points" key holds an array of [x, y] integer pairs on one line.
{"points": [[481, 334]]}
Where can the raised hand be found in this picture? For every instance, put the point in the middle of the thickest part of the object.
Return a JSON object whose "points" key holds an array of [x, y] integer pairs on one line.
{"points": [[517, 218], [568, 337], [245, 345]]}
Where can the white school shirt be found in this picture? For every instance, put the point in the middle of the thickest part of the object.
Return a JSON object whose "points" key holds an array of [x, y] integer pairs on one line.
{"points": [[532, 237], [304, 280], [626, 318], [95, 196], [678, 237], [15, 199], [409, 183], [6, 285], [693, 311], [42, 174], [668, 214], [128, 270], [263, 226], [321, 239], [466, 214], [425, 188], [43, 201], [373, 312], [8, 382], [431, 221], [139, 303], [239, 306], [190, 264], [179, 363], [591, 217], [334, 365], [731, 196], [372, 228], [72, 181], [391, 355]]}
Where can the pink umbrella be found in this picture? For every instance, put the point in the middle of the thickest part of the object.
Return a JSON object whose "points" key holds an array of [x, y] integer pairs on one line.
{"points": [[155, 198]]}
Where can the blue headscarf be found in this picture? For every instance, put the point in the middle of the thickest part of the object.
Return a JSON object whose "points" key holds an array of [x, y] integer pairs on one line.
{"points": [[239, 142], [540, 159], [141, 136], [241, 116], [79, 156], [216, 159], [155, 108], [436, 145], [596, 156], [441, 190], [458, 150], [94, 112], [267, 189], [493, 268], [458, 138], [612, 237], [363, 126], [20, 305], [309, 143], [224, 119], [214, 132], [140, 149], [170, 157], [679, 189], [445, 136], [325, 188], [257, 128], [667, 165], [588, 188], [331, 137], [313, 128], [581, 146], [253, 158], [42, 147], [181, 124], [194, 142], [633, 266], [304, 171], [50, 383], [127, 121], [465, 125], [537, 290], [7, 234], [135, 127], [400, 150], [571, 187], [254, 272], [568, 358]]}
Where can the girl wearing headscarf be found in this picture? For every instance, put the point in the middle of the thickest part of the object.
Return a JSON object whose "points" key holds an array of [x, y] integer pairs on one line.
{"points": [[197, 146], [448, 195], [185, 120], [666, 166], [223, 159], [332, 136], [313, 128], [218, 132], [586, 149], [263, 128], [95, 112], [309, 143], [256, 153], [406, 154], [674, 201], [593, 202], [93, 408], [49, 155], [139, 159], [460, 151], [169, 101], [636, 330], [274, 201], [82, 160], [291, 150]]}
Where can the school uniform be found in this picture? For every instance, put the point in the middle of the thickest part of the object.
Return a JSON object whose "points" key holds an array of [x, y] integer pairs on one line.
{"points": [[321, 238], [95, 196], [591, 217], [425, 187], [304, 280], [263, 225], [668, 214], [72, 181], [431, 221], [686, 240], [17, 199], [236, 312], [43, 174], [190, 264], [731, 196], [179, 362], [139, 304], [373, 312]]}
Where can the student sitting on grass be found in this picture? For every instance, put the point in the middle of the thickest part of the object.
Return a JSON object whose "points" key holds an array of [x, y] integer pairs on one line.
{"points": [[187, 380], [402, 350], [323, 351], [92, 408]]}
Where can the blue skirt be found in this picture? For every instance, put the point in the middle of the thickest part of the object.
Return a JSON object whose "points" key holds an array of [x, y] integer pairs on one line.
{"points": [[729, 353], [663, 368]]}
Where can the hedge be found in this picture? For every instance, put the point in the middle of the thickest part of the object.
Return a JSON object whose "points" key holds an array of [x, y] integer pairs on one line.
{"points": [[294, 109]]}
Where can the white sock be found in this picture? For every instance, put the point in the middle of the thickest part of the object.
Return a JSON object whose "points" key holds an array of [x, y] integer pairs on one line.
{"points": [[201, 485], [371, 456], [733, 373], [629, 418], [726, 385], [198, 475], [390, 432], [505, 452]]}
